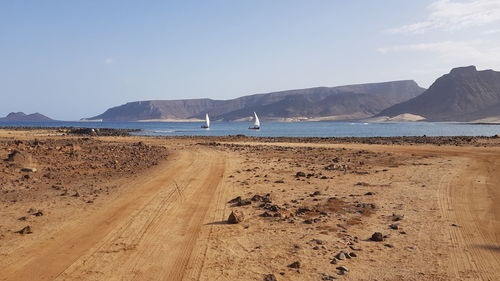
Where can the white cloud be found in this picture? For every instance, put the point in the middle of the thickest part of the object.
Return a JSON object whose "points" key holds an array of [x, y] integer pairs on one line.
{"points": [[456, 52], [109, 60], [454, 15], [491, 31]]}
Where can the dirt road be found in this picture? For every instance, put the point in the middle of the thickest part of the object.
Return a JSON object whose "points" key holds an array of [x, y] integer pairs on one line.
{"points": [[471, 199], [148, 234]]}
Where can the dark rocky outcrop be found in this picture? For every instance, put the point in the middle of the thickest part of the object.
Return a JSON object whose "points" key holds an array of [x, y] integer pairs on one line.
{"points": [[348, 102], [464, 94]]}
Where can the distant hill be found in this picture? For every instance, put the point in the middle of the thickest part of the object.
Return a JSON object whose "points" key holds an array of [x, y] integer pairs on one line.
{"points": [[22, 117], [464, 94], [343, 102]]}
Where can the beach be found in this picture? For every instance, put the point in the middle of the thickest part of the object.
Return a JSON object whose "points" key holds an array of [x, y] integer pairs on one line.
{"points": [[118, 207]]}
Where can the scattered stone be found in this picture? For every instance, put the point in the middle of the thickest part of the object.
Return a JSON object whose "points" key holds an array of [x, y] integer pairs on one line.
{"points": [[235, 200], [395, 217], [353, 255], [394, 226], [279, 181], [244, 202], [28, 170], [39, 213], [308, 221], [342, 268], [270, 277], [235, 217], [340, 256], [318, 241], [389, 245], [454, 224], [23, 218], [370, 193], [327, 277], [266, 215], [25, 230], [295, 264], [315, 193], [377, 237], [300, 174]]}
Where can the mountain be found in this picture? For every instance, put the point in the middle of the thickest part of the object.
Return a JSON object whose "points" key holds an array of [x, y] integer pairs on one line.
{"points": [[343, 102], [21, 117], [464, 94]]}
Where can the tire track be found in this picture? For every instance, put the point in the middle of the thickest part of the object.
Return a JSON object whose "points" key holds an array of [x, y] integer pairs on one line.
{"points": [[147, 234]]}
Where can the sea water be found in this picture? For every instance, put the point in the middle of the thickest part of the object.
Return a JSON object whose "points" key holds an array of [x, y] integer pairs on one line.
{"points": [[286, 129]]}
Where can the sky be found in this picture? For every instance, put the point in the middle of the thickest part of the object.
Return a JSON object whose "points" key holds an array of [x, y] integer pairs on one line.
{"points": [[72, 59]]}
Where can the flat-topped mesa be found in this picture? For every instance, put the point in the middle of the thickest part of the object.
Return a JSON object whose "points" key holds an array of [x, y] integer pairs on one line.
{"points": [[347, 102], [466, 70]]}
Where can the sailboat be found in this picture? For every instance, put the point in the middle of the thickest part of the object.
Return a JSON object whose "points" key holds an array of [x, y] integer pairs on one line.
{"points": [[256, 124], [207, 122]]}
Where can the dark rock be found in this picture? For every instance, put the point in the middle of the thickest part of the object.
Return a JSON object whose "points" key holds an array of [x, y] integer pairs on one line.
{"points": [[340, 256], [377, 237], [300, 174], [295, 264], [394, 226], [234, 200], [235, 217], [389, 245], [395, 217], [244, 202], [270, 277], [326, 277], [25, 230], [28, 170], [266, 215], [342, 268]]}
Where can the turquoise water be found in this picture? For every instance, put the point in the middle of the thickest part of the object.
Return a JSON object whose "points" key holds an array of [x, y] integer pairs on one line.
{"points": [[295, 129]]}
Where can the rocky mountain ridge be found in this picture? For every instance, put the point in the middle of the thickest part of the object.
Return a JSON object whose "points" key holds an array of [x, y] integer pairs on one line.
{"points": [[343, 102], [22, 117], [465, 94]]}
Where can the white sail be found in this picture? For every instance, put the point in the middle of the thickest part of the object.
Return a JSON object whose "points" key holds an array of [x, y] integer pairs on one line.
{"points": [[257, 122], [207, 120]]}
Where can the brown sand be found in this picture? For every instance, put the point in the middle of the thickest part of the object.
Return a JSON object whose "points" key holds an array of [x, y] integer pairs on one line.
{"points": [[156, 209]]}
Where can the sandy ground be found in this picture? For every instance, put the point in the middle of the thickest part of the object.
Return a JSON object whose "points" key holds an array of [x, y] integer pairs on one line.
{"points": [[134, 208]]}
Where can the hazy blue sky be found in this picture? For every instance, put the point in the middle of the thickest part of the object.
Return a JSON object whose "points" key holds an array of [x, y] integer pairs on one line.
{"points": [[72, 59]]}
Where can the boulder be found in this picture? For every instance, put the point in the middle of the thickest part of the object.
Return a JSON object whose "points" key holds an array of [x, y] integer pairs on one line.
{"points": [[377, 237], [235, 217]]}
